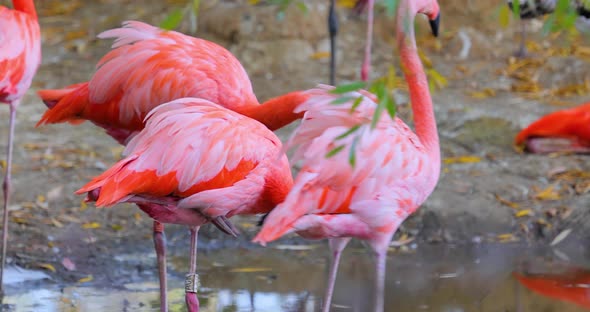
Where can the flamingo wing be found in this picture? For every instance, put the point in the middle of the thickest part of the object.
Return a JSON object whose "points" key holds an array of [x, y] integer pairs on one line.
{"points": [[149, 66], [390, 162], [190, 148], [20, 53]]}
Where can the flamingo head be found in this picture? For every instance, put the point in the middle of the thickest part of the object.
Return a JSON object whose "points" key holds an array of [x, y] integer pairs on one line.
{"points": [[432, 10]]}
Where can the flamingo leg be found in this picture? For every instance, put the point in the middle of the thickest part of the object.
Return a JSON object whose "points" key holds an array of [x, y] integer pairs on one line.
{"points": [[380, 269], [522, 51], [336, 247], [6, 188], [192, 278], [366, 67], [160, 245], [333, 30]]}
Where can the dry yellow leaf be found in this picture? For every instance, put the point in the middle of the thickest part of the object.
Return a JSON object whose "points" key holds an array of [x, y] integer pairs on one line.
{"points": [[508, 203], [86, 279], [483, 94], [349, 4], [320, 55], [40, 198], [461, 160], [46, 266], [91, 225], [523, 213], [547, 194], [249, 270], [507, 237], [83, 205]]}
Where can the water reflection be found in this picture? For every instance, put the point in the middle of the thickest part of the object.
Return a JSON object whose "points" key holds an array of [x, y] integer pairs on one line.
{"points": [[429, 278]]}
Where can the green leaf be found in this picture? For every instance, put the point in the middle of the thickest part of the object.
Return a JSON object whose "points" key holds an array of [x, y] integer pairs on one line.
{"points": [[172, 20], [335, 151], [391, 6], [356, 104], [349, 87], [342, 100], [347, 133], [516, 8], [352, 151], [390, 106]]}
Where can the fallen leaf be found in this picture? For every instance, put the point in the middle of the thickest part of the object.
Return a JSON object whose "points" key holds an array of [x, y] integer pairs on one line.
{"points": [[561, 236], [47, 266], [461, 160], [320, 55], [249, 270], [506, 202], [68, 264], [507, 237], [86, 279], [547, 194], [91, 225], [295, 247], [523, 213]]}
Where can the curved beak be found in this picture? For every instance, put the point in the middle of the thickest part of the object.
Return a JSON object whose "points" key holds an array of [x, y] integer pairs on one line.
{"points": [[434, 24]]}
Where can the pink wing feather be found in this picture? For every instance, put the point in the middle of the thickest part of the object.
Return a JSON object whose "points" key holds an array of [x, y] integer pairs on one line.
{"points": [[195, 140], [20, 53]]}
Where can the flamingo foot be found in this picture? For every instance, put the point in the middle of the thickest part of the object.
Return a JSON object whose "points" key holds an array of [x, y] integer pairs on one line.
{"points": [[555, 145], [160, 245]]}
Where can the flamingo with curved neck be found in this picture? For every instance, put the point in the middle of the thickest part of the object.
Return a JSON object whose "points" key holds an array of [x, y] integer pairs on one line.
{"points": [[395, 172], [20, 56]]}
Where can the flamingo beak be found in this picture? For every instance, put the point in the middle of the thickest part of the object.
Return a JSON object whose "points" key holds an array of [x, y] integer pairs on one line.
{"points": [[434, 25]]}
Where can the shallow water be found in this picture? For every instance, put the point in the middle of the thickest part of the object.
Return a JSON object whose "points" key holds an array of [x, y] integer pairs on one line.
{"points": [[424, 278]]}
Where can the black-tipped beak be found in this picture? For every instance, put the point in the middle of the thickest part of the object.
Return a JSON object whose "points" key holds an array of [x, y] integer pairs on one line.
{"points": [[434, 25]]}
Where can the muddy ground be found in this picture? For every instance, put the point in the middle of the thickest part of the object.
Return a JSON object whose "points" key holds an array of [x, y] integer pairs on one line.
{"points": [[488, 191]]}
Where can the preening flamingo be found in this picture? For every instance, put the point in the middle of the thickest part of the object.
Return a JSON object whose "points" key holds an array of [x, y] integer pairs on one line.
{"points": [[530, 9], [20, 56], [565, 130], [147, 67], [202, 160], [395, 171]]}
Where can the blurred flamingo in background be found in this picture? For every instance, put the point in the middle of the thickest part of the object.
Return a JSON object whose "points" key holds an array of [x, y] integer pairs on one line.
{"points": [[530, 9], [395, 171], [20, 56], [566, 130], [147, 67], [571, 286], [333, 26], [202, 160]]}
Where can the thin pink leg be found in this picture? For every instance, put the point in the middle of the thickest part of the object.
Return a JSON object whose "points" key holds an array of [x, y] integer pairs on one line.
{"points": [[6, 187], [380, 269], [367, 62], [160, 245], [192, 282], [336, 247]]}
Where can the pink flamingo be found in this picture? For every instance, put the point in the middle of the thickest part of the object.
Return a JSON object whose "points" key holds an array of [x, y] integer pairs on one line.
{"points": [[147, 67], [20, 56], [201, 161], [395, 171]]}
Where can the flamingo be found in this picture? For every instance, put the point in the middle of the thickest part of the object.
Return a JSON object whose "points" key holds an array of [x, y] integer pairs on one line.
{"points": [[395, 169], [200, 161], [360, 6], [530, 9], [565, 130], [147, 67], [20, 56]]}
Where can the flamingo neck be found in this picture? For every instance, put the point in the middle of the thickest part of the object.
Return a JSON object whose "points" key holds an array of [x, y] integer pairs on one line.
{"points": [[25, 6], [277, 112], [424, 120]]}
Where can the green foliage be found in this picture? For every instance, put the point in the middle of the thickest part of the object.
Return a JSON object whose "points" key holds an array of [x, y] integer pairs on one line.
{"points": [[173, 19]]}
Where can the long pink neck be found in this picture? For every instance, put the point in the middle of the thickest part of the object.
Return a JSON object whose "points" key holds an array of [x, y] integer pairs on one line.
{"points": [[277, 112], [421, 101], [26, 6]]}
